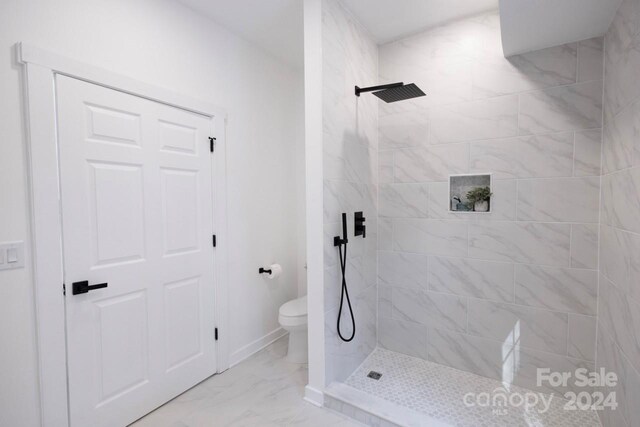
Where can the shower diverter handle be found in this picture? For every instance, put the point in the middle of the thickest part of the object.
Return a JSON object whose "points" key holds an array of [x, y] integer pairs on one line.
{"points": [[358, 224]]}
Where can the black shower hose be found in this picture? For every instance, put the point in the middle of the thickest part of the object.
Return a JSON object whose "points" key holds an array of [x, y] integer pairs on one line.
{"points": [[345, 293]]}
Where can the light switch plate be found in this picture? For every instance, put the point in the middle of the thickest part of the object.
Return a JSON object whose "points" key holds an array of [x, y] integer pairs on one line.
{"points": [[11, 255]]}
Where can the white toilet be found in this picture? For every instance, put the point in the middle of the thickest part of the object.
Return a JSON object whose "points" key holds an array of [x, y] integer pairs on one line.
{"points": [[293, 318]]}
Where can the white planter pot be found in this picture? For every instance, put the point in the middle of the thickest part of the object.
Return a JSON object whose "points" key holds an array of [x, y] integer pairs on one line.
{"points": [[481, 206]]}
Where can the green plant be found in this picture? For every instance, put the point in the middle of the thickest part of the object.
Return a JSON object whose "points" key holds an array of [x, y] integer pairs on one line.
{"points": [[479, 194]]}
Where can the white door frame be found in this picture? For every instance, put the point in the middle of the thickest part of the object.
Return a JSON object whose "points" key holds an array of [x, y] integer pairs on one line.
{"points": [[40, 70]]}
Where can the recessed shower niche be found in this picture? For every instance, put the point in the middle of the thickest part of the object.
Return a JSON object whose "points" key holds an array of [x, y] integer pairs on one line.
{"points": [[470, 193]]}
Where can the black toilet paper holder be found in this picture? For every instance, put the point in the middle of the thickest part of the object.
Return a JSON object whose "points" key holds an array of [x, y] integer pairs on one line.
{"points": [[264, 270]]}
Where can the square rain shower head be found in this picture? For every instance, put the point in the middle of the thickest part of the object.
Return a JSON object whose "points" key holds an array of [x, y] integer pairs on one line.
{"points": [[400, 93]]}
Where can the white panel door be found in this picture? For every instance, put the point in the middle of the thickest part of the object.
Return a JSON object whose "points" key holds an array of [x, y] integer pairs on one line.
{"points": [[136, 186]]}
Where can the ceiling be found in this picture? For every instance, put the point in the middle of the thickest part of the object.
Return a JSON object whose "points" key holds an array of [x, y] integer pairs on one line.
{"points": [[274, 25], [277, 25], [389, 20], [530, 25]]}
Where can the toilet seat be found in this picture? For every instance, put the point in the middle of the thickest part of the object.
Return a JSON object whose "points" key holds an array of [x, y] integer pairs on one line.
{"points": [[294, 312]]}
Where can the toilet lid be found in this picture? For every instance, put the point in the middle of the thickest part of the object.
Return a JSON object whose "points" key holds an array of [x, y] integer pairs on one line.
{"points": [[294, 308]]}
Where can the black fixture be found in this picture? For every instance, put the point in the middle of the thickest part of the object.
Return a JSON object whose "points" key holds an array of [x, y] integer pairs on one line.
{"points": [[83, 287], [359, 229], [337, 241], [393, 92], [374, 375], [264, 270]]}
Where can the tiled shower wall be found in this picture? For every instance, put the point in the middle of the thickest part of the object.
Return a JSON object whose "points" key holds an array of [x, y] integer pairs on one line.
{"points": [[350, 143], [619, 298], [502, 293]]}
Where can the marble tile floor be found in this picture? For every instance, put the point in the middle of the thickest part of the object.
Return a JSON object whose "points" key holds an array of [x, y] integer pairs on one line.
{"points": [[263, 390], [438, 392]]}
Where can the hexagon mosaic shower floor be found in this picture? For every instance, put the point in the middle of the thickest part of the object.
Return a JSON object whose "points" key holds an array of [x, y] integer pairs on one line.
{"points": [[439, 391]]}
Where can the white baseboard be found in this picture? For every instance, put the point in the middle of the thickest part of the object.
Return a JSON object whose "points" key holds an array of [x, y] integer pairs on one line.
{"points": [[314, 396], [255, 346]]}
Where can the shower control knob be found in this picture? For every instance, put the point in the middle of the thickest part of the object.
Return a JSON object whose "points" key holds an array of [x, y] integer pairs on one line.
{"points": [[358, 224]]}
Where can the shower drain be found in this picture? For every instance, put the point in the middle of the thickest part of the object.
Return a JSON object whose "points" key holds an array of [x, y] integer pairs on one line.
{"points": [[374, 375]]}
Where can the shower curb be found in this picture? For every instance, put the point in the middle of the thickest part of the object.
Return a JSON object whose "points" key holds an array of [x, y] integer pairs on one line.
{"points": [[374, 411]]}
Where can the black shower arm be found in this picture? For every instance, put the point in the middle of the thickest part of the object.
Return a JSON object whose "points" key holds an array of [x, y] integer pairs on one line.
{"points": [[359, 90]]}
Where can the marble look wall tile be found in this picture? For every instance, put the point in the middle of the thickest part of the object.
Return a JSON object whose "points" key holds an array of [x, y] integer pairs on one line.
{"points": [[343, 358], [606, 199], [561, 289], [614, 258], [591, 59], [620, 138], [404, 337], [612, 418], [433, 237], [620, 260], [402, 269], [582, 337], [517, 325], [350, 167], [430, 308], [356, 246], [588, 148], [402, 130], [403, 200], [524, 157], [341, 196], [347, 158], [498, 360], [369, 259], [526, 370], [473, 278], [627, 389], [554, 66], [625, 25], [385, 234], [531, 243], [431, 163], [445, 78], [472, 257], [584, 246], [574, 107], [559, 199], [621, 85], [468, 353], [385, 308], [385, 167], [489, 118], [503, 202], [624, 202], [333, 282], [620, 318]]}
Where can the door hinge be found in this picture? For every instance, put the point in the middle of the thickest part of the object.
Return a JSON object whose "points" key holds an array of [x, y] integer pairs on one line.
{"points": [[214, 240], [212, 142], [64, 289], [216, 334]]}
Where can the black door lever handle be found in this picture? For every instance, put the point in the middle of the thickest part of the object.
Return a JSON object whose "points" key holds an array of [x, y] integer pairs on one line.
{"points": [[83, 287]]}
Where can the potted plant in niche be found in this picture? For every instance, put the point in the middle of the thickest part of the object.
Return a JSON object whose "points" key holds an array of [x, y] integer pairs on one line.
{"points": [[479, 198]]}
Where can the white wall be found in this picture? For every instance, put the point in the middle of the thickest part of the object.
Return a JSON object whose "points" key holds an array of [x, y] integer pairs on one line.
{"points": [[165, 44]]}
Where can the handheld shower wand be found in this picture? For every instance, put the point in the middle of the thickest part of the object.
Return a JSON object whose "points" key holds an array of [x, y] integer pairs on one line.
{"points": [[337, 241]]}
